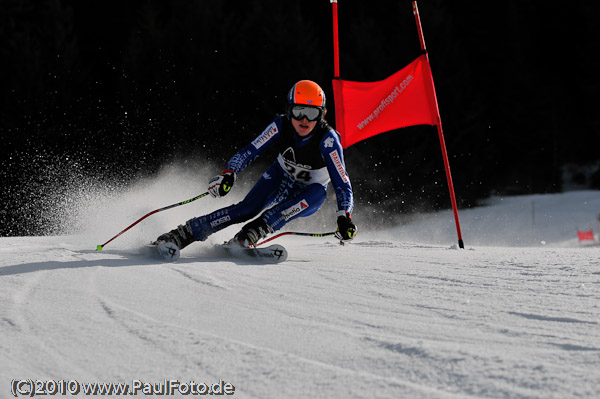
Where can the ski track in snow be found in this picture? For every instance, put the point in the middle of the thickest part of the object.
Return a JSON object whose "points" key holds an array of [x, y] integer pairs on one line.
{"points": [[373, 319]]}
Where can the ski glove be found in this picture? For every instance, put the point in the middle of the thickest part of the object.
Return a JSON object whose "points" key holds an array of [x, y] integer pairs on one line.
{"points": [[346, 229], [220, 185]]}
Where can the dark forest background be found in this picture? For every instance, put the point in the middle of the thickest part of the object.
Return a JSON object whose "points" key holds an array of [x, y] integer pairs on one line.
{"points": [[107, 92]]}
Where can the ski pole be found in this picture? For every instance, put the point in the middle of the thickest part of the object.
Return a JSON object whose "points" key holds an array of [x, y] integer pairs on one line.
{"points": [[99, 247], [296, 233]]}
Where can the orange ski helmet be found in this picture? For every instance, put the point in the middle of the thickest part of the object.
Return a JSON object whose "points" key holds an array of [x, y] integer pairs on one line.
{"points": [[307, 92]]}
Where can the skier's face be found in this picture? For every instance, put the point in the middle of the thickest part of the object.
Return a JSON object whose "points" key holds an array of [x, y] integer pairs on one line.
{"points": [[303, 127]]}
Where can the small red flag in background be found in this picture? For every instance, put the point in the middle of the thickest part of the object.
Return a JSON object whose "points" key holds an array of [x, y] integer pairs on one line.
{"points": [[366, 109], [586, 235]]}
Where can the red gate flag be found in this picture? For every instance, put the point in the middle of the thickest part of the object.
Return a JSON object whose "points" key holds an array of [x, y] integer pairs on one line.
{"points": [[586, 235], [365, 109], [406, 98]]}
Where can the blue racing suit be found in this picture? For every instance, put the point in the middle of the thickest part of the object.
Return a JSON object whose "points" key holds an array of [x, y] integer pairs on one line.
{"points": [[293, 186]]}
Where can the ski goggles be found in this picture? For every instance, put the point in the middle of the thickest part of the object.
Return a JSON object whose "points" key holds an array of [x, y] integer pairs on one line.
{"points": [[299, 112]]}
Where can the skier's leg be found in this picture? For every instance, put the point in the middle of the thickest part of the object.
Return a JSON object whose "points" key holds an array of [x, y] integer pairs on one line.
{"points": [[302, 203], [260, 196]]}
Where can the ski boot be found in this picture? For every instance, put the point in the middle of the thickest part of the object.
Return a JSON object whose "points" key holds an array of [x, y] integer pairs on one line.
{"points": [[169, 244], [251, 233]]}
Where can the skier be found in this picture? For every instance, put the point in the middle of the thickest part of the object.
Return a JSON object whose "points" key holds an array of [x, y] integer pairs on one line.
{"points": [[310, 156]]}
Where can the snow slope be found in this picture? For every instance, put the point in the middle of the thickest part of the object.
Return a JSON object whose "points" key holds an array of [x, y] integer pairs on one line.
{"points": [[400, 313]]}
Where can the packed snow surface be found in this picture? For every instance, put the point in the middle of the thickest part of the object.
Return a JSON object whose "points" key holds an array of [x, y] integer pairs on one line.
{"points": [[398, 313]]}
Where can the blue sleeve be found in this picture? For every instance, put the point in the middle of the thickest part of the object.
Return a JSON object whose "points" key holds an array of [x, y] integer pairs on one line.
{"points": [[249, 153], [333, 155]]}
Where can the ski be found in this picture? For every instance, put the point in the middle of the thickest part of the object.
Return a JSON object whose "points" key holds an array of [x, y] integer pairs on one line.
{"points": [[169, 252], [272, 254]]}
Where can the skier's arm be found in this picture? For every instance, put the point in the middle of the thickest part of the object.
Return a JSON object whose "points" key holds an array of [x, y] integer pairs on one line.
{"points": [[249, 153], [331, 150], [333, 154], [221, 184]]}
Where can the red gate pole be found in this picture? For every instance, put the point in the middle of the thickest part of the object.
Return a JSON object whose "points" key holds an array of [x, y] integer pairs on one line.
{"points": [[337, 82], [439, 127], [336, 45]]}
